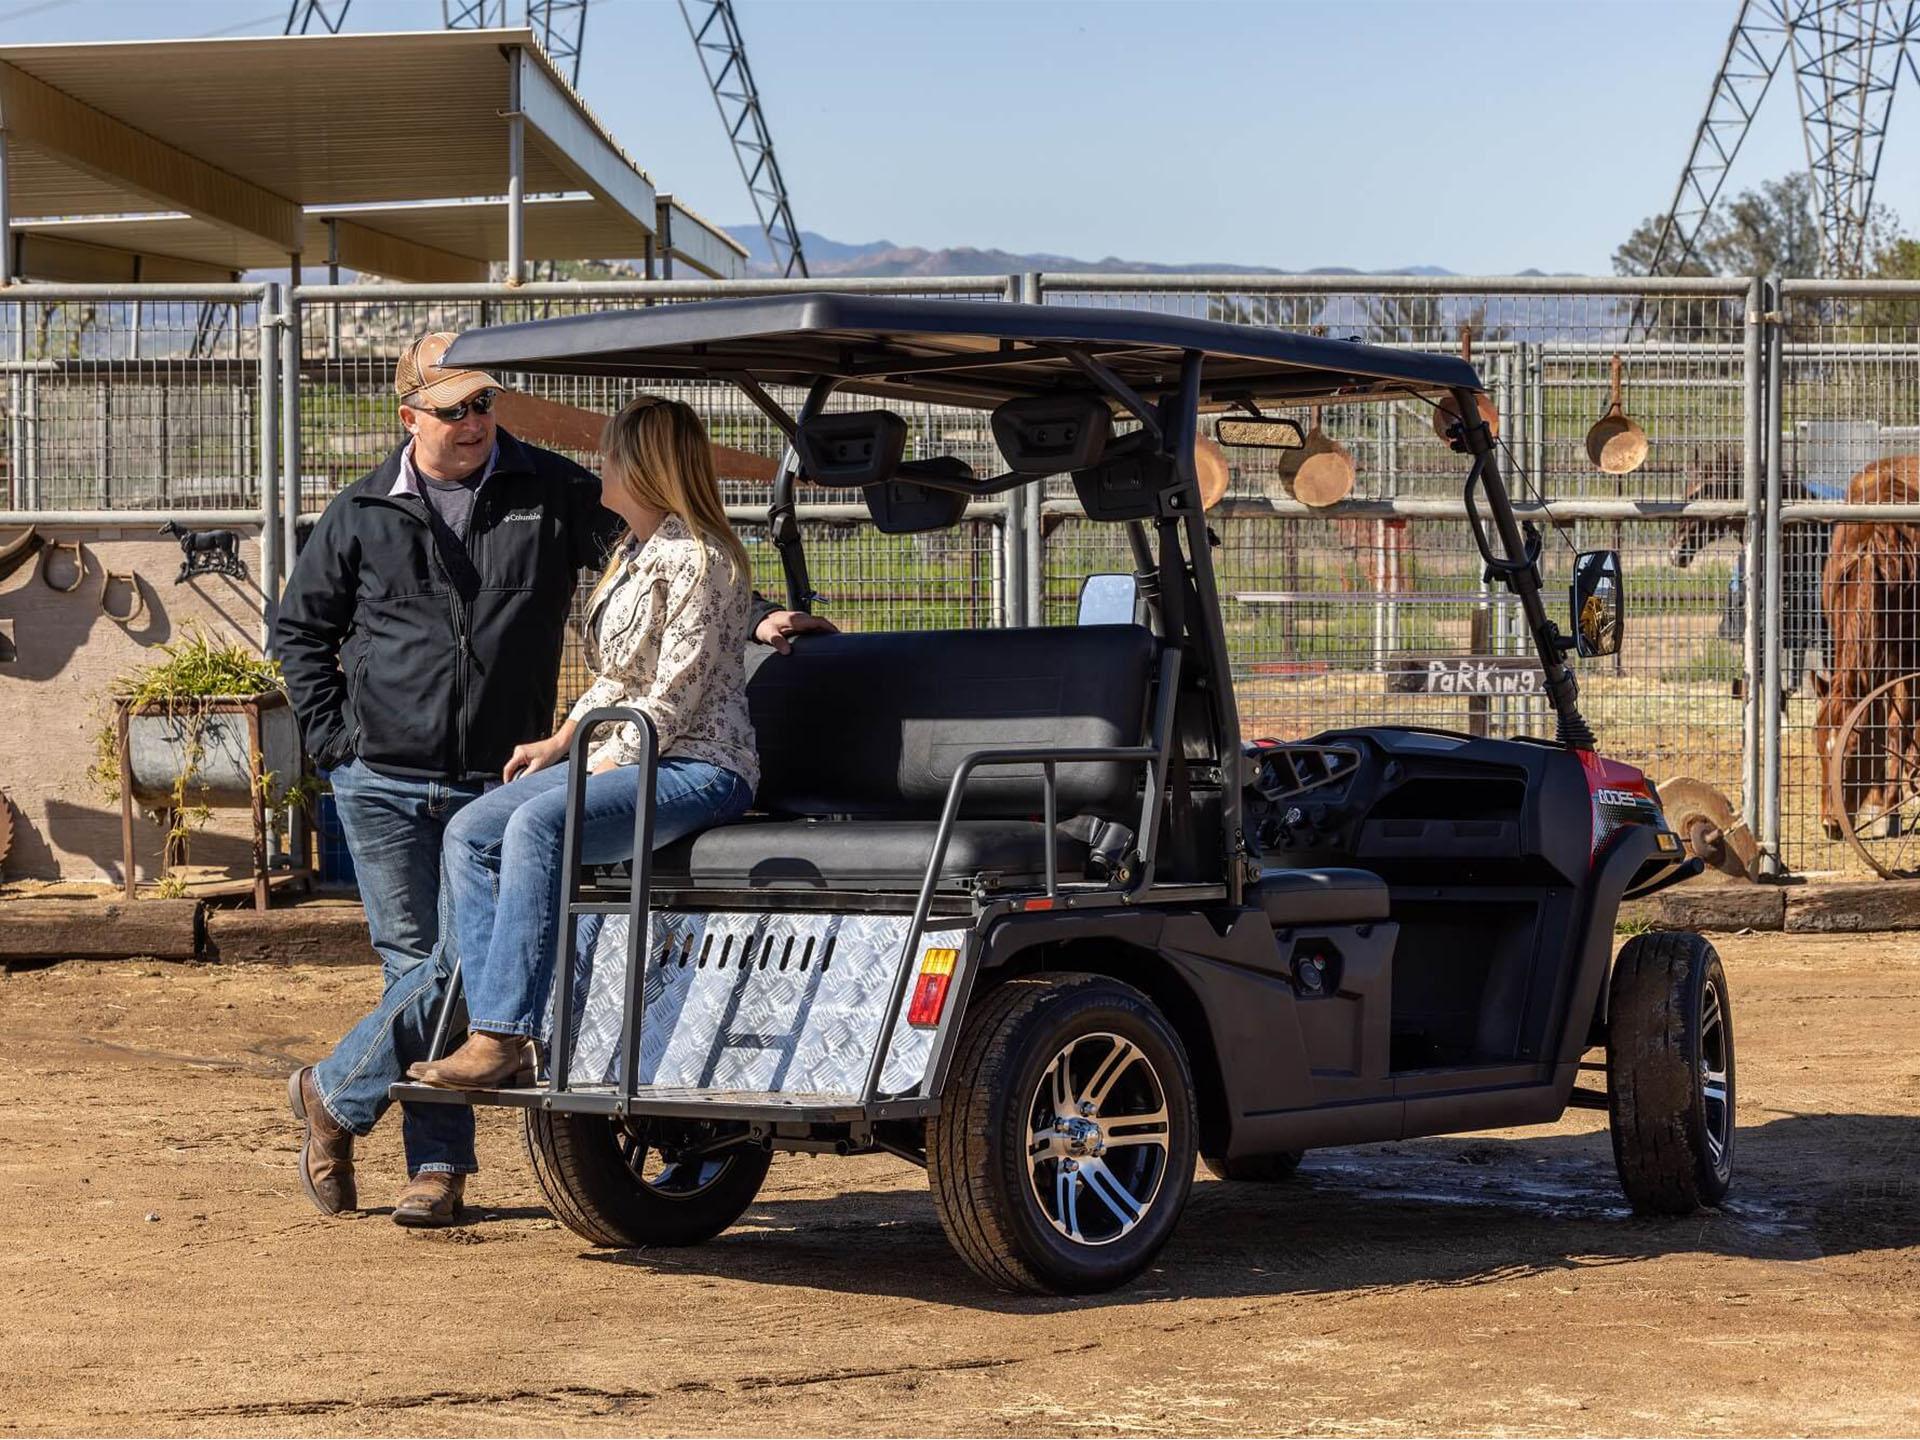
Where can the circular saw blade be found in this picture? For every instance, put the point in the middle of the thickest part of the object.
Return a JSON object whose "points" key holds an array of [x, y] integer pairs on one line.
{"points": [[1704, 820]]}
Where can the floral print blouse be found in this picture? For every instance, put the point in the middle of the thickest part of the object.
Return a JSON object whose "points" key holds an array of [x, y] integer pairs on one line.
{"points": [[667, 636]]}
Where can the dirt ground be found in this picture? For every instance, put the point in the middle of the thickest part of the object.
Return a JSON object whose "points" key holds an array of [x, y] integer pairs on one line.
{"points": [[164, 1274]]}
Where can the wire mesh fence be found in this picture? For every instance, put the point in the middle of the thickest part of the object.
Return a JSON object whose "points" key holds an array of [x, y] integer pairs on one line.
{"points": [[1799, 404], [124, 399]]}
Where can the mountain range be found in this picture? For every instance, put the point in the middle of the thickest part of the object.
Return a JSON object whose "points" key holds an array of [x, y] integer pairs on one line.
{"points": [[838, 259]]}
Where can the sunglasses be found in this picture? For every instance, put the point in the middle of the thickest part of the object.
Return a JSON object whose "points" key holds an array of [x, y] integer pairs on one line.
{"points": [[480, 404]]}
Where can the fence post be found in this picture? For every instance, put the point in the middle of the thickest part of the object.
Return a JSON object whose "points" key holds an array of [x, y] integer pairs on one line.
{"points": [[272, 556], [1013, 525], [1771, 863], [1753, 396], [1033, 532], [290, 423]]}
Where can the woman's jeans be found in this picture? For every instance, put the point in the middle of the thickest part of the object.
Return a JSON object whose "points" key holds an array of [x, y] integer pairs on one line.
{"points": [[503, 869], [394, 829]]}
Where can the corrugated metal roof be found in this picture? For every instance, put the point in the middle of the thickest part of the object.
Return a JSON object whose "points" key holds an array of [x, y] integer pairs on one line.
{"points": [[325, 120]]}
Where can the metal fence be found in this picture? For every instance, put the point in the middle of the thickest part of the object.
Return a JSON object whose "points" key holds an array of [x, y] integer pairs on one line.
{"points": [[1762, 402]]}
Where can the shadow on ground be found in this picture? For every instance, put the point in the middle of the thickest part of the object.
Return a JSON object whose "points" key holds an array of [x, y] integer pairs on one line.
{"points": [[1461, 1211]]}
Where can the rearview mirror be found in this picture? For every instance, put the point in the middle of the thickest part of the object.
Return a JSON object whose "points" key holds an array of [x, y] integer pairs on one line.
{"points": [[1599, 602], [1265, 433]]}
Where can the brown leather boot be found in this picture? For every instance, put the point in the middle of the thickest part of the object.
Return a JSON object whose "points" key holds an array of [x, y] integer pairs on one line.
{"points": [[431, 1198], [326, 1152], [484, 1062]]}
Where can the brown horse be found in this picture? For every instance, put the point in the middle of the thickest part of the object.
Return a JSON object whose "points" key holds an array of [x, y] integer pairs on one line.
{"points": [[1870, 589]]}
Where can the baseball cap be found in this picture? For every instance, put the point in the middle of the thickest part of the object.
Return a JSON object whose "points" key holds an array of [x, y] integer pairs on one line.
{"points": [[421, 380]]}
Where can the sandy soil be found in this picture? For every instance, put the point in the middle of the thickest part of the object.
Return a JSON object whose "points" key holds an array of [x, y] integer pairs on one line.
{"points": [[164, 1275]]}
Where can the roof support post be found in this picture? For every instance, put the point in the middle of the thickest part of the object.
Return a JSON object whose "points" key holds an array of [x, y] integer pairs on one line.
{"points": [[516, 173], [9, 248], [663, 227]]}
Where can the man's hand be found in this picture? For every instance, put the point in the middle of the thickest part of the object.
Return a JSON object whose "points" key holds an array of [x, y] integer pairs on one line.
{"points": [[536, 755], [779, 628]]}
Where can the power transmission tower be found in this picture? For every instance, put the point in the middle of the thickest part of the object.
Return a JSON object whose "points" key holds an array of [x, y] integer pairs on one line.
{"points": [[723, 56], [301, 15], [1847, 58], [560, 25]]}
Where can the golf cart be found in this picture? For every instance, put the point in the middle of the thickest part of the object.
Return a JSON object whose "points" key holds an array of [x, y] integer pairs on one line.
{"points": [[1019, 905]]}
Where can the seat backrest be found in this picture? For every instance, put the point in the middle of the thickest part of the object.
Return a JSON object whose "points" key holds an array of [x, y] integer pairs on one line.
{"points": [[876, 724]]}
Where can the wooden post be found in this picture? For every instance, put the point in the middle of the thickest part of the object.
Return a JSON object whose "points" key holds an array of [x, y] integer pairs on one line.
{"points": [[1480, 642], [257, 760], [126, 801]]}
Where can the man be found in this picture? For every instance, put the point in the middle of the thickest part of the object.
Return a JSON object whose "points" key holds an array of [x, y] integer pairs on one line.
{"points": [[421, 634]]}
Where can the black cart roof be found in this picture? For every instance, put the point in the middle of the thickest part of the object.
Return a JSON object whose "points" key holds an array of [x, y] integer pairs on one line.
{"points": [[954, 352]]}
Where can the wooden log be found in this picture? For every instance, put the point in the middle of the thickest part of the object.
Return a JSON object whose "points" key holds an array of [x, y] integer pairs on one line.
{"points": [[1872, 905], [1711, 907], [570, 427], [318, 934], [115, 929]]}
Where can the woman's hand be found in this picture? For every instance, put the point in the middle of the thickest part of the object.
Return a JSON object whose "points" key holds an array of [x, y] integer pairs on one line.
{"points": [[535, 755], [780, 626]]}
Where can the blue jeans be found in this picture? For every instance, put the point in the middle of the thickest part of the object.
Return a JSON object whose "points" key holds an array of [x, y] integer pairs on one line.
{"points": [[394, 830], [503, 867]]}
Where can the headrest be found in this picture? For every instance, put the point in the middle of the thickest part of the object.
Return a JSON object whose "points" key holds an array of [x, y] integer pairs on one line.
{"points": [[901, 507], [1051, 434], [850, 449]]}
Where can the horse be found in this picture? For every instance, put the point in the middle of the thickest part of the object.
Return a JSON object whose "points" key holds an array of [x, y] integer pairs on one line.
{"points": [[1870, 589], [1717, 475]]}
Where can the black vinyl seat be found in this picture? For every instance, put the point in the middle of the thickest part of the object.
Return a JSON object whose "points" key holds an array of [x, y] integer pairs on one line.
{"points": [[811, 854], [860, 736]]}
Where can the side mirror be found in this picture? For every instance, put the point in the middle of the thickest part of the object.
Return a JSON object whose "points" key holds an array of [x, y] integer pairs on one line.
{"points": [[1599, 602], [1112, 599], [1265, 433]]}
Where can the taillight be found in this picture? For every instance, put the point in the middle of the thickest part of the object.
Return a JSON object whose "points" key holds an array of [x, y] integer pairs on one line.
{"points": [[930, 990]]}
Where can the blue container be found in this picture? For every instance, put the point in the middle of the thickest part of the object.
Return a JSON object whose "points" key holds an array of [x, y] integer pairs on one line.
{"points": [[336, 861]]}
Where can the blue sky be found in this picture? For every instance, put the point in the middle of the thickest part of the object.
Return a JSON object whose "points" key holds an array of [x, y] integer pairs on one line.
{"points": [[1264, 132]]}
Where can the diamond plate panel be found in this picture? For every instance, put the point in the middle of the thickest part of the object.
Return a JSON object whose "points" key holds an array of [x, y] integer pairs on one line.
{"points": [[787, 1003]]}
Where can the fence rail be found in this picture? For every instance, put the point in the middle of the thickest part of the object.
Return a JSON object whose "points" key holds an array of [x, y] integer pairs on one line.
{"points": [[1778, 413]]}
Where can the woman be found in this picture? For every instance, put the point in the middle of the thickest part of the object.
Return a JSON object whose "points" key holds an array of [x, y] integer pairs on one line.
{"points": [[665, 632]]}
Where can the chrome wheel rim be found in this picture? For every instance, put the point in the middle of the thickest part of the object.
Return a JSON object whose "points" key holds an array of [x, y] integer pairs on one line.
{"points": [[1715, 1087], [1097, 1139], [675, 1179]]}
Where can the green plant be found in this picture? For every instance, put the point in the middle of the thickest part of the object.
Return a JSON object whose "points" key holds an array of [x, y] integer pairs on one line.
{"points": [[191, 674]]}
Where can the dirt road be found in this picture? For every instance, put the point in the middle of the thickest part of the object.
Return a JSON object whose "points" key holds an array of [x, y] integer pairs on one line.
{"points": [[164, 1275]]}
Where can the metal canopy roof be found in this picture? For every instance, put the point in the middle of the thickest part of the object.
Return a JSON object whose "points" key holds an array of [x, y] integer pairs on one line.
{"points": [[241, 135], [956, 352], [439, 240]]}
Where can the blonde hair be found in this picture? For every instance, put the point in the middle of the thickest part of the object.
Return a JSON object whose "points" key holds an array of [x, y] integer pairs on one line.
{"points": [[659, 451]]}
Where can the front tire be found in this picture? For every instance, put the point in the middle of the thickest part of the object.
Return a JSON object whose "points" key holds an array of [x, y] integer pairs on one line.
{"points": [[637, 1183], [1064, 1148], [1670, 1090]]}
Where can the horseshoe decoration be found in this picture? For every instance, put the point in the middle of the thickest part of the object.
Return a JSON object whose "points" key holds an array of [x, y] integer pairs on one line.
{"points": [[136, 608], [55, 547]]}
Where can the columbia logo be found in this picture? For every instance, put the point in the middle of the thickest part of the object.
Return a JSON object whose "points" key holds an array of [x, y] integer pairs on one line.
{"points": [[512, 515]]}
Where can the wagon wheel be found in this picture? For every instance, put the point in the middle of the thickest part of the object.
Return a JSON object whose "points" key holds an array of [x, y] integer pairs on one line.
{"points": [[1877, 756]]}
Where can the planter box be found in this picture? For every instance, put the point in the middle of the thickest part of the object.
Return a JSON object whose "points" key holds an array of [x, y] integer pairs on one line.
{"points": [[240, 738], [159, 745]]}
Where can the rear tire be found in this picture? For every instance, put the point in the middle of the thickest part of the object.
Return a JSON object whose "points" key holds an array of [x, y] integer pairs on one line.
{"points": [[1670, 1079], [1064, 1148], [1255, 1169], [609, 1182]]}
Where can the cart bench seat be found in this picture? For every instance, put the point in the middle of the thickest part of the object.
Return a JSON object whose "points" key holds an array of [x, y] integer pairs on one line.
{"points": [[824, 854], [860, 735]]}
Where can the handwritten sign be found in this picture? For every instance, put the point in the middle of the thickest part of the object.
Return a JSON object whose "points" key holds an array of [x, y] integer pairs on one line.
{"points": [[1467, 675]]}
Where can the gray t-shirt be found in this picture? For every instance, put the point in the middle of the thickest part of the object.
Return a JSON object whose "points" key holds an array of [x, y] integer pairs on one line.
{"points": [[452, 500]]}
